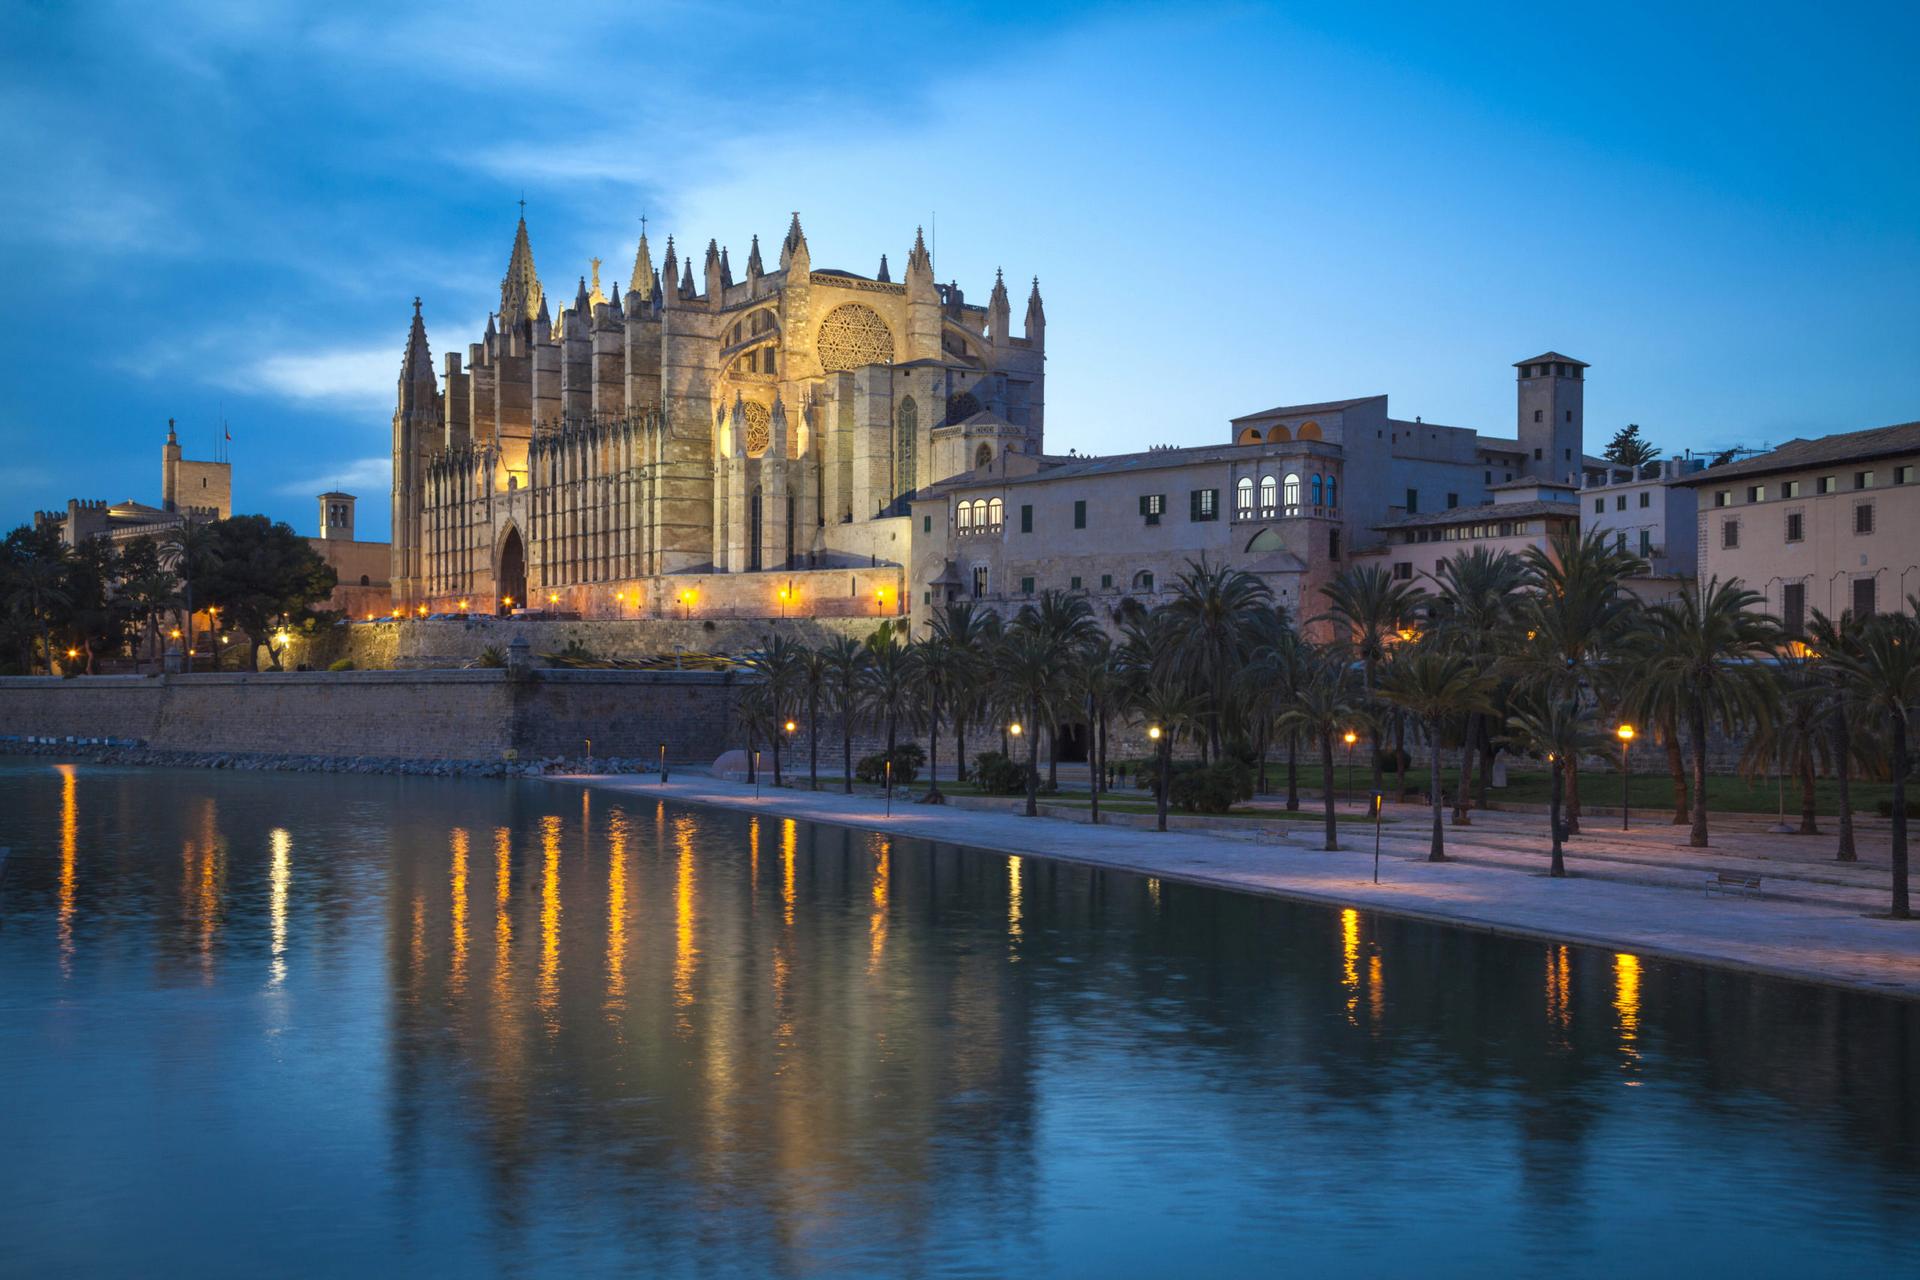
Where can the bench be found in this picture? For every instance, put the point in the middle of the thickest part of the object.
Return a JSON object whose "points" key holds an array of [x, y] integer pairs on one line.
{"points": [[1733, 882]]}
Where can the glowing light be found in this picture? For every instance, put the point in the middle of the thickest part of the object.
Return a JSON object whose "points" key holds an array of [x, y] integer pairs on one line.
{"points": [[1624, 733], [791, 726], [789, 840], [1153, 732], [1349, 737], [685, 955], [69, 860], [877, 922], [1013, 899], [1014, 729], [72, 654], [549, 995], [616, 910], [1626, 1004], [502, 922], [1559, 988], [1350, 961], [280, 877], [463, 606]]}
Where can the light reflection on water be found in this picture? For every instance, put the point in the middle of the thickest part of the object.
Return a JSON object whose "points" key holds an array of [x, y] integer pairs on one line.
{"points": [[280, 1023]]}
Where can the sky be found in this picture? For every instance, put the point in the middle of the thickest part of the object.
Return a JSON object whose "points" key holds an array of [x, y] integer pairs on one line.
{"points": [[222, 212]]}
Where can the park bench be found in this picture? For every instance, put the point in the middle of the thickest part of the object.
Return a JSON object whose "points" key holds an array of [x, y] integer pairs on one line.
{"points": [[1733, 882]]}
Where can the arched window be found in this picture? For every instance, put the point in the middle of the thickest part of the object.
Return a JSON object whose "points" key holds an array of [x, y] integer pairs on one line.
{"points": [[1291, 493], [1269, 496], [993, 513], [964, 517], [983, 455], [903, 446], [1243, 499], [1333, 493], [1314, 488], [1143, 580]]}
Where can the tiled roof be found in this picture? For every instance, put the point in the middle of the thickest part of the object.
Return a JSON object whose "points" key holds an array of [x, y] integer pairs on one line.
{"points": [[1486, 511], [1289, 410], [1551, 357], [1847, 446]]}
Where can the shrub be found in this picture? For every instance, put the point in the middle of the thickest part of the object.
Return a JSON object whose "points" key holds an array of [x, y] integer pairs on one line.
{"points": [[907, 759], [491, 656], [998, 775], [1885, 808], [1392, 759], [340, 664], [1210, 788]]}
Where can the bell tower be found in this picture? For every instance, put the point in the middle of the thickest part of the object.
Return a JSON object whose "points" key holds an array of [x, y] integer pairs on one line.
{"points": [[1552, 416]]}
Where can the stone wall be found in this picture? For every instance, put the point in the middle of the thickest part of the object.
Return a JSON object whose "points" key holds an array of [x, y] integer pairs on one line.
{"points": [[407, 644], [430, 715]]}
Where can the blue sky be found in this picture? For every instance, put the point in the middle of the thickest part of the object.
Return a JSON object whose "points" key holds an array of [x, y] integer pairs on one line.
{"points": [[226, 209]]}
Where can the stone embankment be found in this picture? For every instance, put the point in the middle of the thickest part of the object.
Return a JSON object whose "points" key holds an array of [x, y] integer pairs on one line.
{"points": [[133, 753]]}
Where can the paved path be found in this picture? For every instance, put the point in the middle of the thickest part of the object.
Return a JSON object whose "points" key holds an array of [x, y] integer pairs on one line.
{"points": [[1634, 893]]}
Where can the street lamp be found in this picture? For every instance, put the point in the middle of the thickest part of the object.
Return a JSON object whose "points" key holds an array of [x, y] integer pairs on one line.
{"points": [[786, 594], [463, 606], [1625, 734], [1349, 737], [1014, 729], [686, 604]]}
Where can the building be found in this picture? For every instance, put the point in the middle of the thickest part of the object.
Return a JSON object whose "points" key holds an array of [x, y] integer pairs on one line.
{"points": [[360, 568], [1283, 499], [1831, 524], [1521, 514], [1647, 511], [189, 490], [701, 442]]}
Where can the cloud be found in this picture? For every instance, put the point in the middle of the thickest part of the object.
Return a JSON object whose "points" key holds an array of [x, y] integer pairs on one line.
{"points": [[348, 377], [360, 477]]}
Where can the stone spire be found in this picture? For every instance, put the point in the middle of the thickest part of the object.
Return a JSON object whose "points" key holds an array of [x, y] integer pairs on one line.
{"points": [[416, 367], [686, 280], [754, 266], [726, 269], [583, 301], [491, 332], [882, 275], [710, 269], [1036, 315], [641, 281], [794, 247], [520, 291], [999, 310]]}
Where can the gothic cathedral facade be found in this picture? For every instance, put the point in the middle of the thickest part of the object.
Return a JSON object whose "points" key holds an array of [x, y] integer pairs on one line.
{"points": [[697, 425]]}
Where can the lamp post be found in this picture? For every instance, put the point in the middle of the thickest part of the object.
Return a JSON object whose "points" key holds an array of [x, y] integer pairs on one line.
{"points": [[1350, 737], [663, 764], [1625, 734], [786, 594], [889, 786], [686, 605]]}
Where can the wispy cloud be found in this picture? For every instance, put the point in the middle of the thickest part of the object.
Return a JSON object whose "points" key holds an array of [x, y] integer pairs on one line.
{"points": [[361, 476], [358, 377]]}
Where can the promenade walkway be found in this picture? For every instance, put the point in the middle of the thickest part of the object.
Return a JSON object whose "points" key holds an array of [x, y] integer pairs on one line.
{"points": [[1639, 892]]}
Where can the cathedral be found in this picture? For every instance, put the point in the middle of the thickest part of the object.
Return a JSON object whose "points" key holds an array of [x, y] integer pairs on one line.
{"points": [[701, 428]]}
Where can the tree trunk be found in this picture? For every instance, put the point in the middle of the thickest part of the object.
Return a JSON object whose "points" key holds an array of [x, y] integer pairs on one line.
{"points": [[1676, 765], [1808, 810], [960, 748], [1697, 727], [1399, 762], [1326, 788], [1439, 851], [1293, 771], [846, 745], [813, 741], [1166, 758], [1033, 759], [1093, 758], [1485, 784], [777, 735], [1460, 810], [933, 749], [753, 757], [1366, 674], [1559, 867], [1900, 765], [1053, 756], [1573, 795], [1843, 775], [1260, 783]]}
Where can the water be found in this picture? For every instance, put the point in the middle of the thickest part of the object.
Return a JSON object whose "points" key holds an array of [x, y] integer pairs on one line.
{"points": [[263, 1024]]}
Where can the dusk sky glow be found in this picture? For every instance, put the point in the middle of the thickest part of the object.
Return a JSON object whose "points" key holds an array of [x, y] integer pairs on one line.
{"points": [[226, 210]]}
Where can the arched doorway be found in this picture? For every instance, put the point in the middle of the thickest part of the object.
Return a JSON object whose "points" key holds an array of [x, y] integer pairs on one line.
{"points": [[512, 577]]}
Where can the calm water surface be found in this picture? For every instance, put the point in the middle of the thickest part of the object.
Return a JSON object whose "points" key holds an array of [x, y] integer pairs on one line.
{"points": [[257, 1024]]}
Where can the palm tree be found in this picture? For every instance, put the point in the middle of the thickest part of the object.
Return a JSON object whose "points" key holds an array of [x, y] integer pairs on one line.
{"points": [[1882, 675], [1434, 687], [1830, 639], [1066, 621], [1169, 706], [1706, 658], [1575, 614], [1267, 684], [811, 684], [1031, 665], [1325, 707], [779, 666], [1215, 611], [1795, 735], [933, 666], [188, 549], [890, 693], [1474, 610], [1370, 608], [847, 661], [1099, 681], [1556, 730], [969, 634]]}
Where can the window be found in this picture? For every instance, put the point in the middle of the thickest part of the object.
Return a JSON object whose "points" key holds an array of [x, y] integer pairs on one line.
{"points": [[1790, 489], [1646, 499], [1730, 534], [1106, 582], [1793, 608], [1026, 586], [963, 517], [1269, 496], [1333, 544], [1333, 496], [994, 508], [1646, 542], [1825, 484], [1080, 513], [1863, 479], [1203, 504], [1290, 493], [1722, 497], [1536, 418], [1243, 498], [1620, 502], [1903, 475], [1153, 506], [926, 524], [1755, 492], [1073, 584], [1599, 506], [1569, 415], [1620, 540], [1143, 580], [979, 580], [1863, 518], [1864, 597], [1313, 488], [1453, 500], [1402, 570], [1413, 502], [1536, 452], [1026, 517], [1795, 526]]}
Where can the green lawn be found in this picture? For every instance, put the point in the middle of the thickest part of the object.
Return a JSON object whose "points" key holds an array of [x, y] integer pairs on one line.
{"points": [[1725, 794]]}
